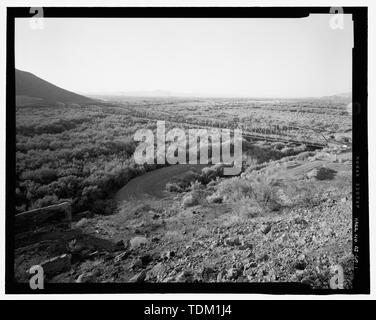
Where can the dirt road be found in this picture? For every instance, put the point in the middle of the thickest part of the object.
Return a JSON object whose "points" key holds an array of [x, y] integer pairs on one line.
{"points": [[153, 183]]}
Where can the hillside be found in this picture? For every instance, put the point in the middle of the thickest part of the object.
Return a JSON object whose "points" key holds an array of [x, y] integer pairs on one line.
{"points": [[31, 89], [223, 236]]}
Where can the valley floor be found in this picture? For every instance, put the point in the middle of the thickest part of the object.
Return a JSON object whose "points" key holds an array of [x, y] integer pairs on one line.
{"points": [[158, 239]]}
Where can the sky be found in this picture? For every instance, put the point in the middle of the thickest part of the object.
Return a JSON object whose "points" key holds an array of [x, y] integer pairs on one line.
{"points": [[302, 57]]}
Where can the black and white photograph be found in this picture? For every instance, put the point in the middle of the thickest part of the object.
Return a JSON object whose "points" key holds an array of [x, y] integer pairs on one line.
{"points": [[196, 150]]}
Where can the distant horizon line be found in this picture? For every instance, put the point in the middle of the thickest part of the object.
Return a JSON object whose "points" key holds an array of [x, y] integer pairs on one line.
{"points": [[172, 94], [167, 94]]}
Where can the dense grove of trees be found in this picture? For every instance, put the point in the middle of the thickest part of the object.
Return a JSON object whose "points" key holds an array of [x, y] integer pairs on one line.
{"points": [[324, 115], [84, 153], [70, 153]]}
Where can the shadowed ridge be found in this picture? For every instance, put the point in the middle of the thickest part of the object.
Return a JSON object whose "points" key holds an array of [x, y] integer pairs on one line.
{"points": [[31, 89]]}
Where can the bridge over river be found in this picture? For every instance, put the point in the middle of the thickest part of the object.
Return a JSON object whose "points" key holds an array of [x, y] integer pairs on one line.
{"points": [[287, 134]]}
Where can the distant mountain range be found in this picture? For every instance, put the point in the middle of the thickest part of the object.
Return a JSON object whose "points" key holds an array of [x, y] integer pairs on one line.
{"points": [[31, 89], [339, 96], [170, 94]]}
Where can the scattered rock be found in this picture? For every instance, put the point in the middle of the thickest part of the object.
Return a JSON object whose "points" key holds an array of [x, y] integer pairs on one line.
{"points": [[155, 239], [123, 244], [139, 277], [328, 232], [185, 276], [221, 275], [301, 257], [168, 255], [157, 271], [169, 279], [246, 245], [301, 221], [87, 277], [262, 258], [265, 228], [233, 241], [137, 242], [142, 261], [301, 262], [251, 265], [121, 256], [208, 274], [234, 273], [300, 242], [137, 264]]}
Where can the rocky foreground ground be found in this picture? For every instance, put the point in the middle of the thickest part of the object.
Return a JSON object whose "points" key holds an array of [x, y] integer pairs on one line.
{"points": [[168, 240]]}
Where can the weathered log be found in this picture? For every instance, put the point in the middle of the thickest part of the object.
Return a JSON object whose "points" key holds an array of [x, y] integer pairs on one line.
{"points": [[33, 218]]}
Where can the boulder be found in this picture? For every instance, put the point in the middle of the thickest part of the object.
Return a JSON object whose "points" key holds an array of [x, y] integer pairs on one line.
{"points": [[157, 271], [168, 254], [139, 277], [137, 242], [265, 228], [233, 241], [185, 276], [121, 256]]}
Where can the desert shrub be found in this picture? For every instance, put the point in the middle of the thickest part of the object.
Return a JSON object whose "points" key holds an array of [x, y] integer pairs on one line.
{"points": [[190, 200], [325, 174], [186, 179], [304, 192], [261, 152], [43, 175], [300, 148], [309, 195], [141, 208], [304, 155], [196, 187], [214, 198], [173, 187], [342, 138], [234, 189], [247, 208], [104, 207], [216, 170], [279, 145], [259, 189], [45, 201], [287, 151]]}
